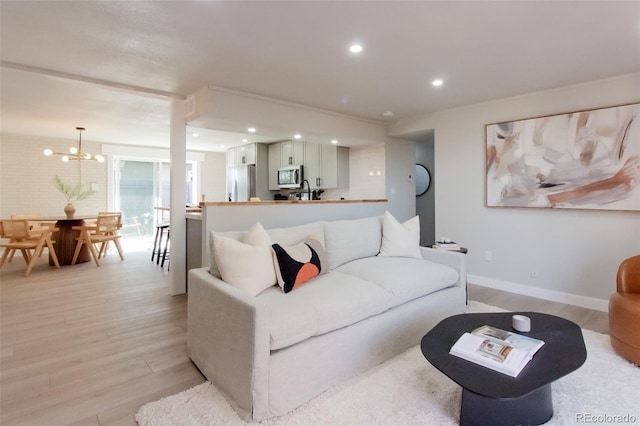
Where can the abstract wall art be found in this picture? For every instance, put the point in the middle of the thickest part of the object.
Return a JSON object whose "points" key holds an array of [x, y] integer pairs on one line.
{"points": [[581, 160]]}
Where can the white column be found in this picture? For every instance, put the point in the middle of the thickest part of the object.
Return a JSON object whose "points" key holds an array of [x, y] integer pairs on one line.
{"points": [[178, 157]]}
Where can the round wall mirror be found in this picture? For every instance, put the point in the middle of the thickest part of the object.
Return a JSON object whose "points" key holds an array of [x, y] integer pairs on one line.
{"points": [[423, 180]]}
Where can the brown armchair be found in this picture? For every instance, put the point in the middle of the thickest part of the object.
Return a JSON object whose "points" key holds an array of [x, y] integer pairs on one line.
{"points": [[624, 311]]}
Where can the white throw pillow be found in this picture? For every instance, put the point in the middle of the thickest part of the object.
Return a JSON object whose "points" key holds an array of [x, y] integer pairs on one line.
{"points": [[257, 236], [248, 267], [400, 239]]}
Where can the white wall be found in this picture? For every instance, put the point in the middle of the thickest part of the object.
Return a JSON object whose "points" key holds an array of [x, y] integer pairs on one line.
{"points": [[27, 176], [566, 255], [27, 184], [400, 163], [366, 175]]}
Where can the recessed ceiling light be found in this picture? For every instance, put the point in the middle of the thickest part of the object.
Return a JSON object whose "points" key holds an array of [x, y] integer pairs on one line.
{"points": [[355, 48], [335, 141], [251, 130], [437, 82], [221, 146], [387, 114], [245, 140], [195, 135], [297, 136]]}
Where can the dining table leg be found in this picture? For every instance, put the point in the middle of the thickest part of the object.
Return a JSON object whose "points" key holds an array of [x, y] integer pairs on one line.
{"points": [[66, 240]]}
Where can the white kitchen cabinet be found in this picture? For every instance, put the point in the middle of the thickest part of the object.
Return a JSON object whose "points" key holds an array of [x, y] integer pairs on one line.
{"points": [[328, 166], [321, 165], [245, 154], [325, 166], [312, 164], [282, 154], [291, 153], [275, 158]]}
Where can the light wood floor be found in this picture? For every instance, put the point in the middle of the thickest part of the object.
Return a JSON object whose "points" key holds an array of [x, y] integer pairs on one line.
{"points": [[585, 318], [88, 346]]}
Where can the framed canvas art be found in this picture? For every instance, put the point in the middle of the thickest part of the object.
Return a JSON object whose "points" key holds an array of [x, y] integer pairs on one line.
{"points": [[580, 160]]}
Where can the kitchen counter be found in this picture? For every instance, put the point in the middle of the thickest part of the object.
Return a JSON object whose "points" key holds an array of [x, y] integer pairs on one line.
{"points": [[282, 202]]}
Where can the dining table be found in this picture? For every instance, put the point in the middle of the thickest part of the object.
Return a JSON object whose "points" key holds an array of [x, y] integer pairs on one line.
{"points": [[65, 238]]}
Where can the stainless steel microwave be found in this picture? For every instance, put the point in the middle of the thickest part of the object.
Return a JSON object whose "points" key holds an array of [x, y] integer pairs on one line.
{"points": [[290, 176]]}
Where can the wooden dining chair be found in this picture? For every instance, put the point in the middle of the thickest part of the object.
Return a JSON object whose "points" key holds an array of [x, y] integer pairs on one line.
{"points": [[34, 225], [24, 237], [97, 236]]}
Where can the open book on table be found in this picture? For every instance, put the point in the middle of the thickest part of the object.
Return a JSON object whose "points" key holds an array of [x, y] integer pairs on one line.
{"points": [[500, 350]]}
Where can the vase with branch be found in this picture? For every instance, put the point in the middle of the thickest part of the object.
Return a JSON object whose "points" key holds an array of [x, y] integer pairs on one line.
{"points": [[72, 193]]}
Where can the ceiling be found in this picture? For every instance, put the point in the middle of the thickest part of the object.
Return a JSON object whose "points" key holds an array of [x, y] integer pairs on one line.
{"points": [[111, 66]]}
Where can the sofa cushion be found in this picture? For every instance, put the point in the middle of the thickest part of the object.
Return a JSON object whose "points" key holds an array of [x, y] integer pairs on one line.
{"points": [[329, 302], [296, 265], [400, 239], [295, 234], [347, 240], [405, 278]]}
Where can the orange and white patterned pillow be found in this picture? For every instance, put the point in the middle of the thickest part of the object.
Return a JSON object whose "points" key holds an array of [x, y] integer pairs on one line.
{"points": [[299, 264]]}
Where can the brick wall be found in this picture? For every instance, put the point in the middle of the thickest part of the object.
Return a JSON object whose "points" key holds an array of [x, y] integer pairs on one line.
{"points": [[27, 176]]}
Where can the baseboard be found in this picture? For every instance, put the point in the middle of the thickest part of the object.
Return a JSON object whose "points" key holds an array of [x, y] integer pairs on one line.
{"points": [[540, 293]]}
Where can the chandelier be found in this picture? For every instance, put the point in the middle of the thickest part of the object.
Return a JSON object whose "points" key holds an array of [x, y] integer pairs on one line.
{"points": [[76, 153]]}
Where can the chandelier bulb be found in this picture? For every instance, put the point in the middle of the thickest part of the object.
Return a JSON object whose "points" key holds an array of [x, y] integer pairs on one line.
{"points": [[75, 152]]}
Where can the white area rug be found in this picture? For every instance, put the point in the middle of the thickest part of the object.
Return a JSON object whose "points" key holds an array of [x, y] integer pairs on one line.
{"points": [[407, 390]]}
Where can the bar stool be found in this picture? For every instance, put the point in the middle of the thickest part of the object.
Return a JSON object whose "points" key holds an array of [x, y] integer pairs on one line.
{"points": [[157, 242], [166, 247]]}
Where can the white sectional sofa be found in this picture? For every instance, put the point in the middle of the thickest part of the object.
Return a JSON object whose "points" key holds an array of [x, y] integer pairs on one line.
{"points": [[270, 353]]}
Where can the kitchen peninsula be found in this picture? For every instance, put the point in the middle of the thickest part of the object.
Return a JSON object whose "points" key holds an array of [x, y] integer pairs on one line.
{"points": [[235, 216]]}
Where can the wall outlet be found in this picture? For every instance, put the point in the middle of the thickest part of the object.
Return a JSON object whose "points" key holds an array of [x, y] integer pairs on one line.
{"points": [[488, 255]]}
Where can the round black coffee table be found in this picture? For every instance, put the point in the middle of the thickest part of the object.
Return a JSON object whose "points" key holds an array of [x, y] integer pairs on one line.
{"points": [[489, 397]]}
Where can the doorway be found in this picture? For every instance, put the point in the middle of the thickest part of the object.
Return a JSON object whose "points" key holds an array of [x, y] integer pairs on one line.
{"points": [[425, 203], [141, 191]]}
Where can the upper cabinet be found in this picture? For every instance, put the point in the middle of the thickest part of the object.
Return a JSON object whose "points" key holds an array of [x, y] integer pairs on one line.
{"points": [[321, 165], [245, 154], [325, 166], [275, 154], [282, 154], [291, 153]]}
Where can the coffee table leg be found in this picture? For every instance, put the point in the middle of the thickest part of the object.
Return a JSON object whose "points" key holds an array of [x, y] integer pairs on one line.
{"points": [[534, 408]]}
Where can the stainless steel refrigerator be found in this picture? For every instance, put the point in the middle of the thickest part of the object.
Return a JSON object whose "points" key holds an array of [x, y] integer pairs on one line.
{"points": [[244, 183]]}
